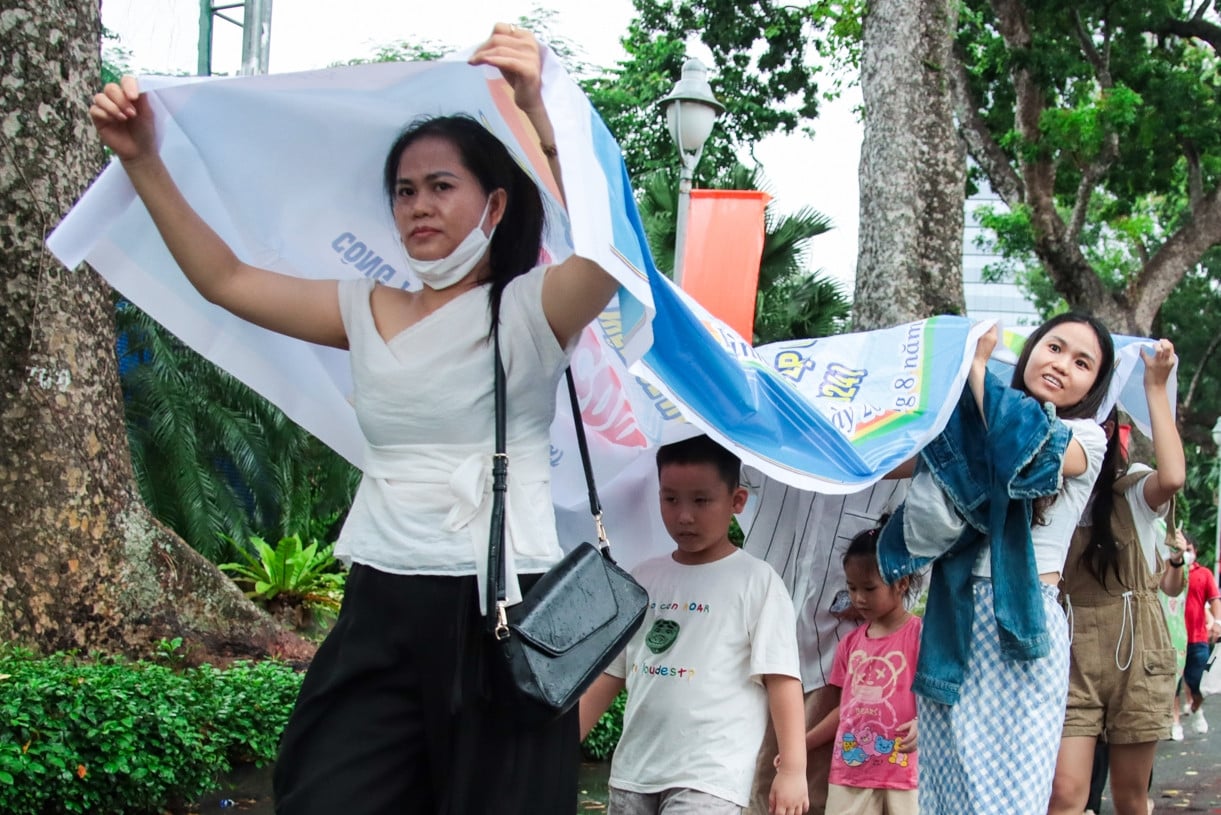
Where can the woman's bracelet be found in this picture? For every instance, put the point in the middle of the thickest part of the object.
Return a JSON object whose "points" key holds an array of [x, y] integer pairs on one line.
{"points": [[1178, 565]]}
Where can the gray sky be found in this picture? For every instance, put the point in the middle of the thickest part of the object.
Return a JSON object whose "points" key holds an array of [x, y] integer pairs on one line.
{"points": [[162, 36]]}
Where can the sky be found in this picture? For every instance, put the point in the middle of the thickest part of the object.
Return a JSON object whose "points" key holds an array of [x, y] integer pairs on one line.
{"points": [[819, 172]]}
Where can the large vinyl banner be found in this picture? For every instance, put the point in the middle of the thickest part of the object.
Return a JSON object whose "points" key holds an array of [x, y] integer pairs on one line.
{"points": [[287, 169]]}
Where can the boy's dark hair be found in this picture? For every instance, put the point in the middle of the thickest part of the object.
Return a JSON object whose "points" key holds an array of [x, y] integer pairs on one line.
{"points": [[702, 450], [864, 545]]}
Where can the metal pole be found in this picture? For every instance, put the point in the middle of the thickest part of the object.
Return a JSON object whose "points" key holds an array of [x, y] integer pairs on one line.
{"points": [[684, 206], [256, 36], [203, 66]]}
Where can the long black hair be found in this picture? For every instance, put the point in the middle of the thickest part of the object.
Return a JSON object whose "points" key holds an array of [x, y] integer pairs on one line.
{"points": [[518, 240], [1088, 407], [1102, 555], [1090, 403]]}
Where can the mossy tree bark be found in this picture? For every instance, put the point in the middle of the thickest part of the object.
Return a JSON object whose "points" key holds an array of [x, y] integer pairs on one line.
{"points": [[913, 167], [82, 563]]}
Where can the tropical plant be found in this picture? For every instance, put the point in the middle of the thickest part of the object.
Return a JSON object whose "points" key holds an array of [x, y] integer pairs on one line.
{"points": [[302, 582], [213, 459], [791, 301]]}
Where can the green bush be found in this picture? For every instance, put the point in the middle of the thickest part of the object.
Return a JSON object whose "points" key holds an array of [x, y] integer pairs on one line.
{"points": [[601, 741], [104, 735]]}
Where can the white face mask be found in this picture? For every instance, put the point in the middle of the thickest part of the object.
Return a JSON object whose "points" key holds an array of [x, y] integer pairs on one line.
{"points": [[445, 272], [1189, 558]]}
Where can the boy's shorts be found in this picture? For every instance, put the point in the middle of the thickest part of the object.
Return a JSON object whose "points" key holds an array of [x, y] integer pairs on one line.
{"points": [[1197, 658], [862, 801], [677, 801]]}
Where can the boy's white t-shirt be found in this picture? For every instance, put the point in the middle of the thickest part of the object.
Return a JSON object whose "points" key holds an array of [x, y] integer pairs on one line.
{"points": [[697, 708]]}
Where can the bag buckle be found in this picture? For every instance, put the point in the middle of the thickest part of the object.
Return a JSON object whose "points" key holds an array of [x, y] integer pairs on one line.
{"points": [[603, 540], [501, 631]]}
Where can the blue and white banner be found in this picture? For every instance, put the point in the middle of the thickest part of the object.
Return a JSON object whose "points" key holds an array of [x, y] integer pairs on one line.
{"points": [[287, 169]]}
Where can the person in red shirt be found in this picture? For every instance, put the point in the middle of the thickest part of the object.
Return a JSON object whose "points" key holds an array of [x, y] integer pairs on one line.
{"points": [[1203, 616]]}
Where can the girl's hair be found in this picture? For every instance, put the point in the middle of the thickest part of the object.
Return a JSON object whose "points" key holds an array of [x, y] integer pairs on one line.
{"points": [[1103, 553], [865, 547], [518, 240], [1088, 406]]}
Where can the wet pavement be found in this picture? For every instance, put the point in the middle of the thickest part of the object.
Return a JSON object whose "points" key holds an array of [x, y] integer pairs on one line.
{"points": [[247, 790], [1186, 778], [1187, 774]]}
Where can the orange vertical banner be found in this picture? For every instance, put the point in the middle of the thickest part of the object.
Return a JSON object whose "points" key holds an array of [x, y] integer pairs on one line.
{"points": [[724, 245]]}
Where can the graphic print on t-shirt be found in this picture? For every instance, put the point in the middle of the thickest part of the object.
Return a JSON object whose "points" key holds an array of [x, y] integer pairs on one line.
{"points": [[661, 636], [874, 679]]}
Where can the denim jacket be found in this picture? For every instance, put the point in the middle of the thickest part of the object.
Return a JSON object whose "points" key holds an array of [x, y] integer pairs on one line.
{"points": [[991, 473]]}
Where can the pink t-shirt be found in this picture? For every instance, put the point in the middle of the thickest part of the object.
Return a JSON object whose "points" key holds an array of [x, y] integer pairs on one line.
{"points": [[875, 678]]}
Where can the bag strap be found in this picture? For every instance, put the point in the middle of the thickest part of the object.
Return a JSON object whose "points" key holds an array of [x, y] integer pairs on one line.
{"points": [[595, 505], [498, 623]]}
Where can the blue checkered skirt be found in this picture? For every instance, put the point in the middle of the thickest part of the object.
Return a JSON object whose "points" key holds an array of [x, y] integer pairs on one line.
{"points": [[995, 750]]}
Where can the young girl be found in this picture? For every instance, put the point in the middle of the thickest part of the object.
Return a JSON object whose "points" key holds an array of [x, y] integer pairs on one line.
{"points": [[1123, 661], [873, 759], [1000, 492]]}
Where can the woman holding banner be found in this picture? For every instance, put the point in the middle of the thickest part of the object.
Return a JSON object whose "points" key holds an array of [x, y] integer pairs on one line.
{"points": [[397, 713], [992, 505], [1123, 662]]}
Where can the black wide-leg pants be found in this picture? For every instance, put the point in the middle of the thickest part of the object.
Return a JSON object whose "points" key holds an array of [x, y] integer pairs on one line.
{"points": [[398, 714]]}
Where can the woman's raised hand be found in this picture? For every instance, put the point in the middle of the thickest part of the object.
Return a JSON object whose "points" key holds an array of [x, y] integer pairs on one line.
{"points": [[1160, 363], [124, 120], [986, 345], [514, 51]]}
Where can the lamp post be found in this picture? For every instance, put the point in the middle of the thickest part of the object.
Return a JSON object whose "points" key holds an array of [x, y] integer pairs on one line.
{"points": [[691, 111], [1217, 549]]}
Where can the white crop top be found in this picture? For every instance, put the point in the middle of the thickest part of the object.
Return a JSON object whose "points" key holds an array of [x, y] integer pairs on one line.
{"points": [[424, 401], [1052, 538]]}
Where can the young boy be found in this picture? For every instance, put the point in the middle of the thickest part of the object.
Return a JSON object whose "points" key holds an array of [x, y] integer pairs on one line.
{"points": [[716, 652]]}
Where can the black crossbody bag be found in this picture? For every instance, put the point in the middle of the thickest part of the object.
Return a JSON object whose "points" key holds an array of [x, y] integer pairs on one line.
{"points": [[577, 617]]}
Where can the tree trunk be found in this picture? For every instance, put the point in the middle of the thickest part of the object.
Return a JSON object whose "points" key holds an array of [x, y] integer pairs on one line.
{"points": [[913, 171], [82, 563]]}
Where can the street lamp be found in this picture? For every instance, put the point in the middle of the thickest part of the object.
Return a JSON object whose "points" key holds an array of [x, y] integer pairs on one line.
{"points": [[691, 111], [1217, 549]]}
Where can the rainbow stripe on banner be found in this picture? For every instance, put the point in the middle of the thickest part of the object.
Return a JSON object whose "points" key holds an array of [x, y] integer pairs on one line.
{"points": [[831, 414]]}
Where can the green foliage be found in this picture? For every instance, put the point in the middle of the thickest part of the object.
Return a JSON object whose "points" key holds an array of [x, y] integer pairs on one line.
{"points": [[110, 737], [604, 736], [541, 21], [1128, 106], [1188, 318], [115, 58], [763, 71], [290, 574], [213, 459], [790, 302]]}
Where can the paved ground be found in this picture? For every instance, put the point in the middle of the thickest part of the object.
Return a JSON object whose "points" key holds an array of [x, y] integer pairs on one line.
{"points": [[1187, 774], [1186, 778]]}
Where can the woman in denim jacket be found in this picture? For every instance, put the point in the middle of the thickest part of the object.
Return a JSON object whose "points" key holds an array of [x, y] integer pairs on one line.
{"points": [[1002, 490]]}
